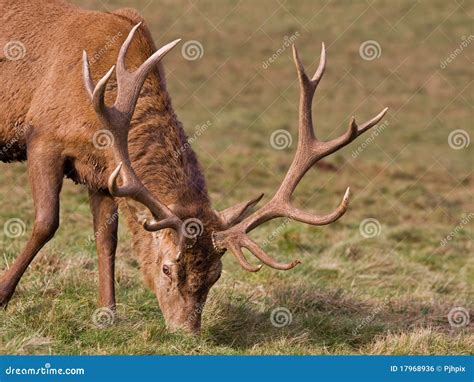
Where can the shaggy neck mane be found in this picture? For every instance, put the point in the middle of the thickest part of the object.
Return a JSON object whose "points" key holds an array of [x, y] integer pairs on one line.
{"points": [[162, 159], [161, 155]]}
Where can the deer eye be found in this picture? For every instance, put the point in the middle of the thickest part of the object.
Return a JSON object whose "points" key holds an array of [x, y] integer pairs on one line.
{"points": [[166, 270]]}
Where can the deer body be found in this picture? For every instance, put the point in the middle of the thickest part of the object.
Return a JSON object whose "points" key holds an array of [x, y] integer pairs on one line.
{"points": [[43, 103], [54, 108]]}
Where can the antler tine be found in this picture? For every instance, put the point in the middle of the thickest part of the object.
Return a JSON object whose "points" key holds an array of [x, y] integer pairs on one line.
{"points": [[239, 255], [98, 100], [86, 74], [155, 58], [322, 65], [121, 69], [308, 88], [352, 133], [96, 93], [309, 150], [311, 219], [300, 67], [134, 189], [264, 258], [371, 123], [130, 83], [129, 187], [145, 68]]}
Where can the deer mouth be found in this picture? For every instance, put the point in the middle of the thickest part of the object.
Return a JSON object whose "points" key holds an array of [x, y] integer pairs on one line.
{"points": [[182, 314], [185, 321]]}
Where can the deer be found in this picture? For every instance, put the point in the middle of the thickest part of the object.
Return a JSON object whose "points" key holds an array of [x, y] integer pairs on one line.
{"points": [[60, 100]]}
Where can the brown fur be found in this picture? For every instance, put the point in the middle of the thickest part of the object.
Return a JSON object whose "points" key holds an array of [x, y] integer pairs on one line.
{"points": [[44, 91]]}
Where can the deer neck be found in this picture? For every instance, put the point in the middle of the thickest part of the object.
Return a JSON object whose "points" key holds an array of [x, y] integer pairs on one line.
{"points": [[165, 163]]}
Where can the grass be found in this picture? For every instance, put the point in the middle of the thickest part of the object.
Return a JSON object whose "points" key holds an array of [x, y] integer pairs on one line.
{"points": [[390, 294]]}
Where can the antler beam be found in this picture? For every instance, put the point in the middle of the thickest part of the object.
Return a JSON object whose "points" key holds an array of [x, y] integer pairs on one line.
{"points": [[117, 120], [308, 152]]}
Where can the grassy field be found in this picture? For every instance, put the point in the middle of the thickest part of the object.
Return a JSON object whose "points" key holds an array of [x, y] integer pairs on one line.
{"points": [[380, 286]]}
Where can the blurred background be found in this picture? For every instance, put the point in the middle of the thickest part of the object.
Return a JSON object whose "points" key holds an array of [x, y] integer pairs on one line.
{"points": [[394, 275]]}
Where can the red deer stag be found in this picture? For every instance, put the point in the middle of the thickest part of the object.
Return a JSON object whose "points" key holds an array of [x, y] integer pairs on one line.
{"points": [[60, 103]]}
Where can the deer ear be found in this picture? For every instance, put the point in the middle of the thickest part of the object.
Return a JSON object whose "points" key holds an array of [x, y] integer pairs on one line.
{"points": [[233, 215]]}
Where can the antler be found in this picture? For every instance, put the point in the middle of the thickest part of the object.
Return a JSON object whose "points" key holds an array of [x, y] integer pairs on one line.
{"points": [[308, 152], [117, 120]]}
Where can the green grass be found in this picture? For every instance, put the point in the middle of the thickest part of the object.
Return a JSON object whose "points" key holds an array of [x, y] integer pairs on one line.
{"points": [[390, 294]]}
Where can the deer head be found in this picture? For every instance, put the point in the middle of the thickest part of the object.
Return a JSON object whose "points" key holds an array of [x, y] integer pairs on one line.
{"points": [[190, 238]]}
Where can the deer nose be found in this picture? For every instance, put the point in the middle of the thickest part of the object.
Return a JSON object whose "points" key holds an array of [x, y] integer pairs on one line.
{"points": [[187, 326]]}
